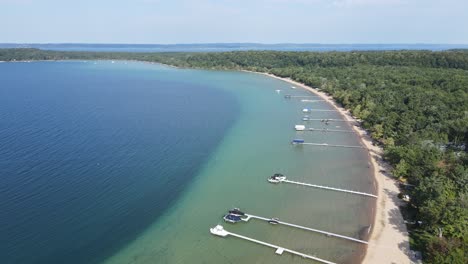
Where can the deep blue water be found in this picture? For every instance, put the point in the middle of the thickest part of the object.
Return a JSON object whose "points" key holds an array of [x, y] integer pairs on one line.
{"points": [[219, 47], [92, 154]]}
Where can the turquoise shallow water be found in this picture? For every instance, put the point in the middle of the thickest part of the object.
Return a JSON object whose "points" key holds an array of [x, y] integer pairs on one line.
{"points": [[255, 147]]}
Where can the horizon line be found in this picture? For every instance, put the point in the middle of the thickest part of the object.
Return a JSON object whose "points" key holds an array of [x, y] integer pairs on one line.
{"points": [[220, 43]]}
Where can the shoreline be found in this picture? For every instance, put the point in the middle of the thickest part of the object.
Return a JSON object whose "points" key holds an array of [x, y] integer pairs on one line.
{"points": [[389, 240]]}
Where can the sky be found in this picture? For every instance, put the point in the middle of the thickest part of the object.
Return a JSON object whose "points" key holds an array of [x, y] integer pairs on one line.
{"points": [[234, 21]]}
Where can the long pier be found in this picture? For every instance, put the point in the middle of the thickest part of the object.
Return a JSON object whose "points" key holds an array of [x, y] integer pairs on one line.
{"points": [[322, 110], [329, 130], [329, 120], [220, 231], [311, 101], [330, 145], [329, 188], [249, 216], [299, 96]]}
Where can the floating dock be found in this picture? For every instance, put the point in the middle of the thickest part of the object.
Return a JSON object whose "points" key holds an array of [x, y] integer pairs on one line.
{"points": [[220, 231], [328, 188], [249, 216]]}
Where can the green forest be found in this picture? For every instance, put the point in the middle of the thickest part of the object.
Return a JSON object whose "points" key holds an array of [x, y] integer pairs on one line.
{"points": [[413, 103]]}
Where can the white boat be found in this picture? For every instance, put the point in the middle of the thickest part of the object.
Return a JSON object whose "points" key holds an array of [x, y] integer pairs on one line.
{"points": [[305, 110], [271, 180], [299, 127], [219, 231], [277, 178]]}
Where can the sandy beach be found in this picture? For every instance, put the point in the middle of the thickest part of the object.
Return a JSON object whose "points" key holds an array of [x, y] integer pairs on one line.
{"points": [[389, 241]]}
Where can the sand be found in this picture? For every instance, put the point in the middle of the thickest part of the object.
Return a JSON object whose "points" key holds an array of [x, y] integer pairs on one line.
{"points": [[389, 241]]}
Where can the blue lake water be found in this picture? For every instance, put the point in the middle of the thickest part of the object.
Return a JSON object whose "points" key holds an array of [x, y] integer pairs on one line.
{"points": [[90, 155]]}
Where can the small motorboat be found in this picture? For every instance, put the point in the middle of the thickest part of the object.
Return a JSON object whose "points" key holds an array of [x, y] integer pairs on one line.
{"points": [[273, 180], [277, 178], [274, 221], [299, 127], [230, 218], [236, 211], [297, 141]]}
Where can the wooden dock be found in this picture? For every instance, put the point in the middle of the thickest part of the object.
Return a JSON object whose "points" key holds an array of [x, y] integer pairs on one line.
{"points": [[220, 231], [330, 188], [249, 216]]}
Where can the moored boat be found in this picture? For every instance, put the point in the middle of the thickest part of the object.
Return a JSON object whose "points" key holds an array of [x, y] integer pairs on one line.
{"points": [[297, 141], [299, 127], [236, 211], [274, 221], [277, 178], [230, 218]]}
